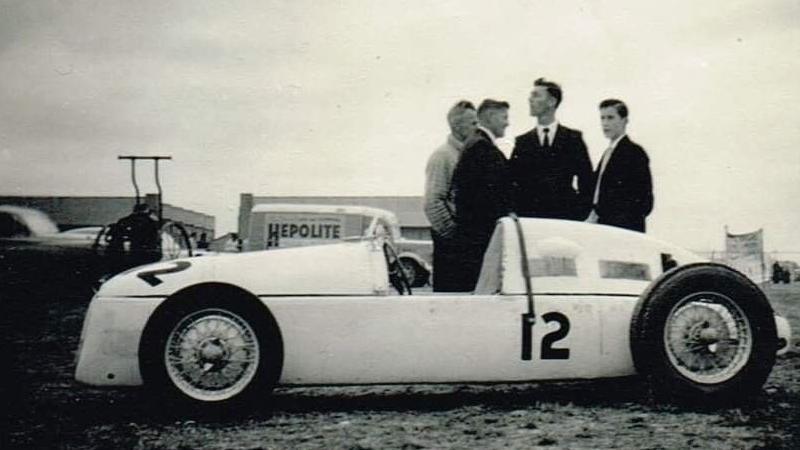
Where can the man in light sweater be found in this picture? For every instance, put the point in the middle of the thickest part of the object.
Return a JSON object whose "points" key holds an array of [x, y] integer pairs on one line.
{"points": [[439, 203]]}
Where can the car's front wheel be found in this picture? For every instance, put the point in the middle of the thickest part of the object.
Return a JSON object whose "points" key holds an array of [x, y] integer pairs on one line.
{"points": [[704, 333], [213, 346]]}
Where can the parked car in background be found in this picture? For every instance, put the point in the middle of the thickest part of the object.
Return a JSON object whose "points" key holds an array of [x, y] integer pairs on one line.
{"points": [[33, 251], [17, 222], [278, 225]]}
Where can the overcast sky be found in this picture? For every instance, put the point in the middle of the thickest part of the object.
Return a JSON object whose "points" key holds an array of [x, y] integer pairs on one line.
{"points": [[349, 97]]}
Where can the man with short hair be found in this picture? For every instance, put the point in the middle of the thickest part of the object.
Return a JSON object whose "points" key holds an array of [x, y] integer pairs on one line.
{"points": [[439, 203], [134, 240], [482, 190], [623, 194], [550, 165]]}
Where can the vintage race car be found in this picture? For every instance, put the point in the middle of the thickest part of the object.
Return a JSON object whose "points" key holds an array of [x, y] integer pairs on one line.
{"points": [[555, 300]]}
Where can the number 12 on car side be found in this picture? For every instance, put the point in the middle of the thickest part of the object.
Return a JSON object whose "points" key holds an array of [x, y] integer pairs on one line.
{"points": [[549, 340]]}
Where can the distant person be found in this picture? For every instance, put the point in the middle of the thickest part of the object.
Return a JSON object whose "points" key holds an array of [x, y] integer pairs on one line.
{"points": [[135, 239], [777, 272], [482, 190], [439, 203], [233, 243], [202, 243], [623, 194], [550, 165]]}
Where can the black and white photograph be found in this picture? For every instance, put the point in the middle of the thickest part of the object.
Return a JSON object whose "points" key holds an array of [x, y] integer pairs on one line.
{"points": [[369, 225]]}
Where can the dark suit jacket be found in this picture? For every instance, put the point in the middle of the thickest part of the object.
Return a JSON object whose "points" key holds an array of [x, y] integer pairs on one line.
{"points": [[481, 187], [543, 176], [626, 188]]}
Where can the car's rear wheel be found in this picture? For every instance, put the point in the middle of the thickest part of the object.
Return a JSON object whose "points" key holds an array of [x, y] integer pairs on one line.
{"points": [[704, 333], [416, 275], [397, 273], [211, 347]]}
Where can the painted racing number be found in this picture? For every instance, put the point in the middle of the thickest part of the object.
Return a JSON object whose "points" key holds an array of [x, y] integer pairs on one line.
{"points": [[151, 278], [547, 350]]}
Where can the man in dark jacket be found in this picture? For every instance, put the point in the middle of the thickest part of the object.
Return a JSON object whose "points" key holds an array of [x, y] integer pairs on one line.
{"points": [[623, 194], [482, 190], [134, 240], [550, 166]]}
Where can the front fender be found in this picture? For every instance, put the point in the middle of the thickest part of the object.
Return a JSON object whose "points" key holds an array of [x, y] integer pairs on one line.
{"points": [[416, 258]]}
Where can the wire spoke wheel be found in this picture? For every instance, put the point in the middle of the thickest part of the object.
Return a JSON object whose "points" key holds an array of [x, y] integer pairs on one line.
{"points": [[174, 240], [707, 337], [703, 333], [212, 354]]}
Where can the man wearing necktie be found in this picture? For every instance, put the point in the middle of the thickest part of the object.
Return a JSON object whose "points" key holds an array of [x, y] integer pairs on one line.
{"points": [[623, 194], [550, 166]]}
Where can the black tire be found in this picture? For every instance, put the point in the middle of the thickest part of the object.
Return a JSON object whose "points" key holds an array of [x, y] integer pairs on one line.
{"points": [[703, 333], [397, 274], [416, 274], [206, 370]]}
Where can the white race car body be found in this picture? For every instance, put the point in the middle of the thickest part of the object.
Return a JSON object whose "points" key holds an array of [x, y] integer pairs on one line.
{"points": [[341, 322]]}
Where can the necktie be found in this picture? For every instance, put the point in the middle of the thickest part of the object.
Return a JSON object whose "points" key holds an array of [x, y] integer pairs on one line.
{"points": [[546, 140]]}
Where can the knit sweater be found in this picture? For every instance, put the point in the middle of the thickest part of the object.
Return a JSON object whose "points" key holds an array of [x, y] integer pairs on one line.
{"points": [[439, 203]]}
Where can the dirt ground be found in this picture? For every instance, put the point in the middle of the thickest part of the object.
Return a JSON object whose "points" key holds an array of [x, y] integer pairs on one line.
{"points": [[45, 408]]}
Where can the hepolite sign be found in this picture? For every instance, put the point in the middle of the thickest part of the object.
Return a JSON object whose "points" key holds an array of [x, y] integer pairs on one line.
{"points": [[291, 230]]}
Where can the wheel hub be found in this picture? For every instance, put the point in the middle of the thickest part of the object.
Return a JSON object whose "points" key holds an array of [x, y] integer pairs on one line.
{"points": [[212, 351], [212, 354], [706, 337]]}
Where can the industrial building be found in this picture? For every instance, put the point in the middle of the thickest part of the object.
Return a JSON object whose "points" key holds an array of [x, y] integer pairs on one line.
{"points": [[76, 212]]}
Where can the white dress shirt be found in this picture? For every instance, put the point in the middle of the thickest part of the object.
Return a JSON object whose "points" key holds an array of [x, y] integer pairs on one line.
{"points": [[551, 132], [602, 168]]}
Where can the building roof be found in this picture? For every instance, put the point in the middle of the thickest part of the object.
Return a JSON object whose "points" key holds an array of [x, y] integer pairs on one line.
{"points": [[95, 210]]}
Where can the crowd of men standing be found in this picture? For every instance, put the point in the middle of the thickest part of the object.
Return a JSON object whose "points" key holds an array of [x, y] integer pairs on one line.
{"points": [[470, 183]]}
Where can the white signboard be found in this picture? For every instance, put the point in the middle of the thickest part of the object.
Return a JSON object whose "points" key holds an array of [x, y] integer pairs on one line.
{"points": [[745, 253], [294, 230]]}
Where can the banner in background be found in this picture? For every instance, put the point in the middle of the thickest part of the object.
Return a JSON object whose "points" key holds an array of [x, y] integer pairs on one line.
{"points": [[745, 253]]}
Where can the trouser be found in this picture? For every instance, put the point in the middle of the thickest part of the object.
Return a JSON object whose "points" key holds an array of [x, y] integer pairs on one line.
{"points": [[446, 262], [459, 262]]}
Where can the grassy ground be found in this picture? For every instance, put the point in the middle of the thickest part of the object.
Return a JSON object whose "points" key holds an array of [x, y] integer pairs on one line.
{"points": [[47, 409]]}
